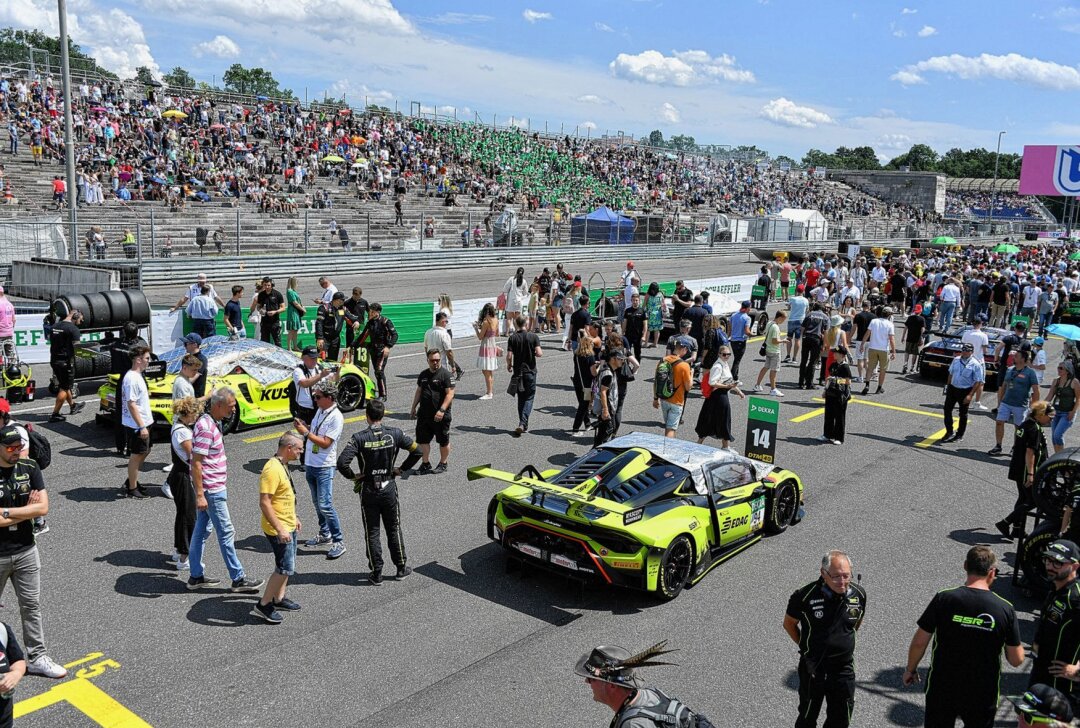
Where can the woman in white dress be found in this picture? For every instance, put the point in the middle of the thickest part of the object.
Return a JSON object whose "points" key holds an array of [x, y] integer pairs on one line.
{"points": [[516, 291]]}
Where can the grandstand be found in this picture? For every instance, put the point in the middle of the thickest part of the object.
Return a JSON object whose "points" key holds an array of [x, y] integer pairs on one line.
{"points": [[264, 175]]}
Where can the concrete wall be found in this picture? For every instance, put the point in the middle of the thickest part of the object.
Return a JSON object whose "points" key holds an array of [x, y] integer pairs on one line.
{"points": [[925, 190]]}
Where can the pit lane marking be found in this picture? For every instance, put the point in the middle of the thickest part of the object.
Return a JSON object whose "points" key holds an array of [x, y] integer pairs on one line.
{"points": [[932, 438], [927, 442], [85, 697]]}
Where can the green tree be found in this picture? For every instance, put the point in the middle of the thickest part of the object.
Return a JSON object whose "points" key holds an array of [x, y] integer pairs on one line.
{"points": [[255, 81], [144, 75], [785, 158], [818, 158], [180, 78], [920, 158], [682, 143], [15, 48], [656, 138], [857, 158]]}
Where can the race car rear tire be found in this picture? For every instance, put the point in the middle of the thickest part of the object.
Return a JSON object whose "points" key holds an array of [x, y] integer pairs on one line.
{"points": [[351, 392], [924, 369], [782, 507], [1030, 558], [761, 322], [675, 567], [725, 325], [1054, 480]]}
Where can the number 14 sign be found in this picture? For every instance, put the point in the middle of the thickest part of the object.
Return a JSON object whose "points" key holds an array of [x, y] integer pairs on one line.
{"points": [[761, 418]]}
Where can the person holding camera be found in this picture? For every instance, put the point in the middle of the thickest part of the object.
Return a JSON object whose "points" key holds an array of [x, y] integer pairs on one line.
{"points": [[65, 336]]}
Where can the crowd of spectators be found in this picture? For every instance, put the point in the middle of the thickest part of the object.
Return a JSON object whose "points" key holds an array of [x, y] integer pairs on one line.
{"points": [[978, 204]]}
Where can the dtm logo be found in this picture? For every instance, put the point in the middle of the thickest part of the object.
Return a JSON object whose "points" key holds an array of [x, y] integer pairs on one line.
{"points": [[1067, 170], [729, 523], [281, 393], [983, 621]]}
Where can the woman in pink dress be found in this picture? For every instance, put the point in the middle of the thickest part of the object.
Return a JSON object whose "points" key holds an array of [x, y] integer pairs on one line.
{"points": [[487, 360]]}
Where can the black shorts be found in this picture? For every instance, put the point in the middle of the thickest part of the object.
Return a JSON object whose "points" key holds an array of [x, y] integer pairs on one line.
{"points": [[426, 429], [64, 372], [137, 445]]}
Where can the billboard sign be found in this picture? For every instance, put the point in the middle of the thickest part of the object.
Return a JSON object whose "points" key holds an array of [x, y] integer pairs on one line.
{"points": [[1050, 170]]}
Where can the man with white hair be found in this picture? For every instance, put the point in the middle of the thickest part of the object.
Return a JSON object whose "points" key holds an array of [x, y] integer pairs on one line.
{"points": [[194, 290], [822, 619]]}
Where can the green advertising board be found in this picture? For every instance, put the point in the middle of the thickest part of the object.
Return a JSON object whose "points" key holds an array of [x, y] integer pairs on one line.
{"points": [[762, 416]]}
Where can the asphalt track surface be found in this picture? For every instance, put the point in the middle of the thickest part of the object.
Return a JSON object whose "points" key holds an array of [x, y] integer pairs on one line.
{"points": [[463, 643]]}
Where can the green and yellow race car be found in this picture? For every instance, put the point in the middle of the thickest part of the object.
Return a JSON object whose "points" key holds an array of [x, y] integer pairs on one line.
{"points": [[259, 373], [641, 511]]}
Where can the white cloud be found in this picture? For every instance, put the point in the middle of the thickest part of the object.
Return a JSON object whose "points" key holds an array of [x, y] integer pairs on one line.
{"points": [[603, 27], [587, 125], [222, 46], [1069, 17], [357, 95], [909, 11], [333, 19], [788, 113], [927, 31], [533, 16], [593, 99], [898, 33], [1011, 67], [669, 113], [684, 68], [521, 122], [459, 18], [893, 142]]}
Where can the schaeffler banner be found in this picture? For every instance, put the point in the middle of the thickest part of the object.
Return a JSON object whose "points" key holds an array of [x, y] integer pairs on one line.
{"points": [[1050, 170]]}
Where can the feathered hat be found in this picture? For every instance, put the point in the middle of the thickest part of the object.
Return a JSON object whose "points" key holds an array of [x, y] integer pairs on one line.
{"points": [[616, 665]]}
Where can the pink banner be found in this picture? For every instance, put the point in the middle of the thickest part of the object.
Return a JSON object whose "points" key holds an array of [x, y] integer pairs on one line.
{"points": [[1049, 170]]}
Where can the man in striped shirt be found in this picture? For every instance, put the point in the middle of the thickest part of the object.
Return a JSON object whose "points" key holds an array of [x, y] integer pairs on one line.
{"points": [[208, 474]]}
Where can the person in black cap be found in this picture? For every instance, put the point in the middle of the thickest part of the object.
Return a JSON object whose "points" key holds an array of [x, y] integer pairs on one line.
{"points": [[329, 323], [822, 619], [119, 364], [969, 626], [611, 673], [305, 376], [1057, 638], [376, 449], [1042, 706], [193, 345]]}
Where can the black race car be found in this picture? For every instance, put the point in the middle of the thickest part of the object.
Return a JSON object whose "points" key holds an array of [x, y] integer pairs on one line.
{"points": [[935, 357]]}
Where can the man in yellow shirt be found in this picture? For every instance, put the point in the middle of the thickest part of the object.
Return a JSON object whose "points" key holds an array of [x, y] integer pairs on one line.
{"points": [[277, 501]]}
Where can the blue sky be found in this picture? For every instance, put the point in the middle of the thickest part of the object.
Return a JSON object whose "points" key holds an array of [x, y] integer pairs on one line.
{"points": [[786, 75]]}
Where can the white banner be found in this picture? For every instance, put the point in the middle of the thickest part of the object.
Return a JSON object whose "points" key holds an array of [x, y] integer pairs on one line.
{"points": [[165, 332], [738, 287]]}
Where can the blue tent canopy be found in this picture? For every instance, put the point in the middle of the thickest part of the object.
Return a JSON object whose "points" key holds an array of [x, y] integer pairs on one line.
{"points": [[602, 226]]}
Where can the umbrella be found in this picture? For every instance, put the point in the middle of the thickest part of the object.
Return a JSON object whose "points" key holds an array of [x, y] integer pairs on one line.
{"points": [[174, 114], [1005, 248], [1065, 331], [344, 112], [333, 158], [1074, 256], [218, 126], [158, 181], [260, 97], [98, 108], [943, 240], [194, 181]]}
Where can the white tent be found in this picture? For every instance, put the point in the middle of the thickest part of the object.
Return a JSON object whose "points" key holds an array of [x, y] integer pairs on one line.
{"points": [[813, 223]]}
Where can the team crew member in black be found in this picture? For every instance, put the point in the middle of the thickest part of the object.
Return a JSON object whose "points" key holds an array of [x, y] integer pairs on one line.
{"points": [[635, 325], [376, 449], [329, 322], [431, 410], [12, 670], [22, 499], [119, 364], [814, 327], [356, 305], [271, 305], [969, 626], [65, 335], [1028, 453], [822, 618], [1057, 639], [379, 336]]}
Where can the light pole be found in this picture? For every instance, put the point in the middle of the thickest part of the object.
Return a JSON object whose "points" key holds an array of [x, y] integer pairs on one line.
{"points": [[993, 199], [69, 135]]}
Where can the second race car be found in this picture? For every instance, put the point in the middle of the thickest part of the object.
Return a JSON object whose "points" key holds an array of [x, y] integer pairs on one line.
{"points": [[936, 356], [641, 511], [259, 373]]}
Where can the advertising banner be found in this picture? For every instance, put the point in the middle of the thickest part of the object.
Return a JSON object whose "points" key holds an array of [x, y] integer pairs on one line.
{"points": [[762, 416], [1050, 170]]}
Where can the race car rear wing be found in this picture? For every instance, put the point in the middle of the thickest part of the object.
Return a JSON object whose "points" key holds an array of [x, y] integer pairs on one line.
{"points": [[535, 483]]}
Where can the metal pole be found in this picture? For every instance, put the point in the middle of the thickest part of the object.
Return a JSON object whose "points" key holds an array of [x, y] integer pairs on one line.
{"points": [[307, 232], [993, 199], [138, 242], [238, 232], [369, 232], [69, 133], [153, 239]]}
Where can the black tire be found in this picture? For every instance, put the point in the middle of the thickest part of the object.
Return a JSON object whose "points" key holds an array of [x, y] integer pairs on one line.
{"points": [[140, 307], [83, 367], [676, 565], [924, 369], [72, 302], [351, 393], [119, 307], [1030, 558], [1054, 479], [782, 507], [761, 322], [101, 364], [101, 316]]}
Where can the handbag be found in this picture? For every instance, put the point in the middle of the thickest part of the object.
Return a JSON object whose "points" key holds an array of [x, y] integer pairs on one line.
{"points": [[514, 386], [761, 351], [254, 317], [500, 302]]}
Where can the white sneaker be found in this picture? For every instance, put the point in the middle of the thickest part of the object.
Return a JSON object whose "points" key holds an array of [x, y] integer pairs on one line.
{"points": [[174, 556], [758, 388], [167, 468], [776, 393], [837, 442], [979, 406], [486, 396], [45, 667], [166, 491], [183, 565]]}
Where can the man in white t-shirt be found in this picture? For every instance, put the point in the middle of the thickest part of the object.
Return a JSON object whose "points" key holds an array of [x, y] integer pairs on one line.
{"points": [[190, 366], [950, 302], [881, 344], [328, 291], [981, 342], [1030, 301], [136, 419], [850, 291], [438, 339], [320, 460]]}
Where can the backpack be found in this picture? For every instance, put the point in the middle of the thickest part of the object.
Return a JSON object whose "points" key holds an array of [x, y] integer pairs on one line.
{"points": [[664, 381], [834, 391], [673, 714], [40, 449]]}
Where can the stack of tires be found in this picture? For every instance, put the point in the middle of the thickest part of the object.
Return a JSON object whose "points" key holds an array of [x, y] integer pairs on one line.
{"points": [[1054, 482], [105, 310]]}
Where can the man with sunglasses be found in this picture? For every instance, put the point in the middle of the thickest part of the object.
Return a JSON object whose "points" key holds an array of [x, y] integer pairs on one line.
{"points": [[969, 626], [431, 410], [1057, 638], [822, 619], [1042, 706]]}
